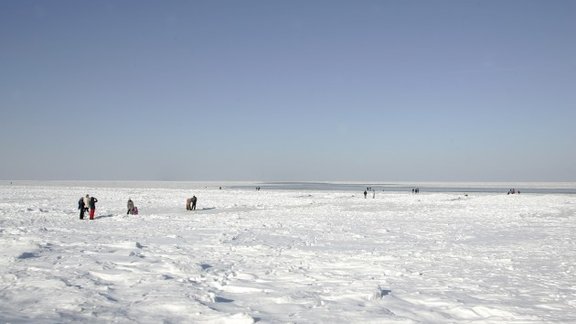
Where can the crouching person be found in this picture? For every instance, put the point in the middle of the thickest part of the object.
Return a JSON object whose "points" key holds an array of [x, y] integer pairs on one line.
{"points": [[130, 206]]}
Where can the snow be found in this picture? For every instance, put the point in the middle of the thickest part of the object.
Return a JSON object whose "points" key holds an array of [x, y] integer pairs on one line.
{"points": [[284, 256]]}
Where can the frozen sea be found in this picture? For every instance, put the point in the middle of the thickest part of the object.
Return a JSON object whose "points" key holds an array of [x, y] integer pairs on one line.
{"points": [[298, 252]]}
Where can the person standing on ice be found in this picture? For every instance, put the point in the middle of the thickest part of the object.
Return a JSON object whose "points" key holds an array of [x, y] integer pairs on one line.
{"points": [[130, 206], [86, 202], [365, 193], [81, 206], [92, 205], [194, 199]]}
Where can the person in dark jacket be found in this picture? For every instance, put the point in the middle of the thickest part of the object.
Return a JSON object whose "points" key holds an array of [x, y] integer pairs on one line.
{"points": [[130, 206], [194, 199], [189, 204], [92, 206], [81, 207]]}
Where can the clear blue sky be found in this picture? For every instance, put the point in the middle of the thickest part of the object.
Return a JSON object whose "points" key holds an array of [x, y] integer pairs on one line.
{"points": [[288, 90]]}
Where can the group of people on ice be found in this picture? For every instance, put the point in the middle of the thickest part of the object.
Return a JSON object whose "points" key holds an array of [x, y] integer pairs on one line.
{"points": [[369, 189], [86, 204], [513, 191]]}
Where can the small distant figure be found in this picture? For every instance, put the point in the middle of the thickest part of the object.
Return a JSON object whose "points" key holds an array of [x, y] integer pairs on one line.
{"points": [[513, 191], [365, 194], [81, 207], [373, 194], [189, 204], [130, 206], [194, 199], [86, 202], [220, 188], [258, 188], [92, 205]]}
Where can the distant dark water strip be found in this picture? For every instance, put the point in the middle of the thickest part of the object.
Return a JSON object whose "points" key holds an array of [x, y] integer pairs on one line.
{"points": [[324, 186]]}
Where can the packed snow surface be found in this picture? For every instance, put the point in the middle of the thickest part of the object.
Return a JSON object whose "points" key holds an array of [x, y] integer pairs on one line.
{"points": [[285, 256]]}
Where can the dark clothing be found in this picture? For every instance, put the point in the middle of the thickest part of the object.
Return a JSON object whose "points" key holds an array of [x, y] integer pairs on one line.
{"points": [[130, 207], [92, 205], [81, 207], [194, 199]]}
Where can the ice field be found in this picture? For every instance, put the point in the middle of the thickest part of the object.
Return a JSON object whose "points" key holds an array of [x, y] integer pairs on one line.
{"points": [[284, 256]]}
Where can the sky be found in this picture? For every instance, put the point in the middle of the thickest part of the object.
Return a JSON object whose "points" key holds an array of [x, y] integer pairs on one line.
{"points": [[288, 90]]}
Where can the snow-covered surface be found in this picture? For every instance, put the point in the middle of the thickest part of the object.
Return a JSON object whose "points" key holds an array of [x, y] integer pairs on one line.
{"points": [[278, 256]]}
